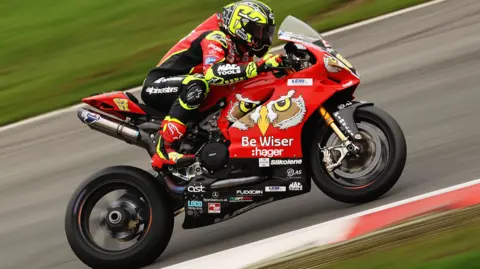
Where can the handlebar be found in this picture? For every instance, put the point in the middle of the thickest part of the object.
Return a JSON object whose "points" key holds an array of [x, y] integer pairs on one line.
{"points": [[288, 64]]}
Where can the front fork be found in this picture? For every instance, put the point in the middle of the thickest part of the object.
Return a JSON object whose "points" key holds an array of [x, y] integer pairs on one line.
{"points": [[345, 148], [330, 122]]}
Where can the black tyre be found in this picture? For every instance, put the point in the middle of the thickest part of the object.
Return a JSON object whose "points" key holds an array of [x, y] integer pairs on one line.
{"points": [[366, 177], [142, 217]]}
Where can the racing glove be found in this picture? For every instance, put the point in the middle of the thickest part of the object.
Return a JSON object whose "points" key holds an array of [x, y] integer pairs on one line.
{"points": [[268, 61], [223, 73]]}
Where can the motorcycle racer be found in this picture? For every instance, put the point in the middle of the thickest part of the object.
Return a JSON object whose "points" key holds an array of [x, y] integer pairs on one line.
{"points": [[219, 51]]}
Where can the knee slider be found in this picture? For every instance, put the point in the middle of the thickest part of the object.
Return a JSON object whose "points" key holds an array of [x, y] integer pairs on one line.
{"points": [[195, 92]]}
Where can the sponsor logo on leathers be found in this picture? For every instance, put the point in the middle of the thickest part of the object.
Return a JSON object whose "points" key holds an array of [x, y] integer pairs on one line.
{"points": [[152, 90]]}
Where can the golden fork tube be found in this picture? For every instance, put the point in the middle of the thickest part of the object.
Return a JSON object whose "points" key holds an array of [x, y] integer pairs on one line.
{"points": [[330, 122]]}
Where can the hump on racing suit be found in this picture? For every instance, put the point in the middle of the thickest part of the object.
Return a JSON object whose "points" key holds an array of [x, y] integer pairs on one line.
{"points": [[208, 51]]}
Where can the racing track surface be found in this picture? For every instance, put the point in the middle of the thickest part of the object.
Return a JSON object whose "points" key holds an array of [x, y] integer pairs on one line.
{"points": [[423, 67]]}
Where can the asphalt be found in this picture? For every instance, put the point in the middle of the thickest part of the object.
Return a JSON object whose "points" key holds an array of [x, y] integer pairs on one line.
{"points": [[422, 67]]}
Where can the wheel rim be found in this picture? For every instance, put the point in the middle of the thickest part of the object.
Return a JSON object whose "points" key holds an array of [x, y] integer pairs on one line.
{"points": [[361, 171], [114, 217]]}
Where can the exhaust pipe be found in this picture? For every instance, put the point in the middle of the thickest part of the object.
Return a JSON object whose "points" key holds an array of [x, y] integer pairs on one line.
{"points": [[111, 126]]}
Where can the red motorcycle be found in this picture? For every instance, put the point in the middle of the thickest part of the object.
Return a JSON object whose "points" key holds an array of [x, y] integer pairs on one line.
{"points": [[256, 142]]}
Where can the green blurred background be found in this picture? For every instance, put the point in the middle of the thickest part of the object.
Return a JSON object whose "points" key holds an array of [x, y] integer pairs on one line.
{"points": [[53, 53]]}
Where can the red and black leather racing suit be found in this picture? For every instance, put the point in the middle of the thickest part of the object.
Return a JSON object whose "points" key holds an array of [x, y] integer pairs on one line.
{"points": [[181, 80]]}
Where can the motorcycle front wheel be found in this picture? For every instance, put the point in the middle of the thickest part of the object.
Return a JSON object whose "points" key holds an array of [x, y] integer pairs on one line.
{"points": [[370, 173], [119, 218]]}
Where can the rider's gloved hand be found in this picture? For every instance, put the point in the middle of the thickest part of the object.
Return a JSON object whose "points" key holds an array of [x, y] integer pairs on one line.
{"points": [[269, 60]]}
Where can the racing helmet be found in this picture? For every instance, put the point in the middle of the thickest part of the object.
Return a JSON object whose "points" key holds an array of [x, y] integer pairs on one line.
{"points": [[251, 25]]}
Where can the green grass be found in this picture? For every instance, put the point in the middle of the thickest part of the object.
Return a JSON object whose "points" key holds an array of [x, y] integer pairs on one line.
{"points": [[56, 52], [459, 249]]}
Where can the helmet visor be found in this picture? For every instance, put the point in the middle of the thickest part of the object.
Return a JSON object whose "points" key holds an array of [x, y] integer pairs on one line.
{"points": [[262, 34]]}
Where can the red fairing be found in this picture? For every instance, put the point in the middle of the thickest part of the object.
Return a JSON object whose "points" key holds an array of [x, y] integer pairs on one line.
{"points": [[116, 103], [279, 108], [274, 128]]}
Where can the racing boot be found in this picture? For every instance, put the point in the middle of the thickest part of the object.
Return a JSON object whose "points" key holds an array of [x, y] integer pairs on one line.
{"points": [[172, 131]]}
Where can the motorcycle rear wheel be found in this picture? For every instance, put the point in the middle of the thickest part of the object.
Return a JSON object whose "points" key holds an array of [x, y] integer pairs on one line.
{"points": [[373, 182], [147, 217]]}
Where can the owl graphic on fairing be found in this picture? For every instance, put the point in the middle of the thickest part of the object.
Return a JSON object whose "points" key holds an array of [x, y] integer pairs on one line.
{"points": [[239, 109], [282, 113]]}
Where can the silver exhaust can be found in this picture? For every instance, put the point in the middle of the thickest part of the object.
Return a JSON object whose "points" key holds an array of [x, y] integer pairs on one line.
{"points": [[110, 126]]}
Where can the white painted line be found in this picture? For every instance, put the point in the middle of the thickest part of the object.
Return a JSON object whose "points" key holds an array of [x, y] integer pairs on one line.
{"points": [[243, 256], [339, 30], [315, 235], [415, 198]]}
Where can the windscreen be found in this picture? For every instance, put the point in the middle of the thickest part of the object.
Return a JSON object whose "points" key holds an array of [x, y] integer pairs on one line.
{"points": [[293, 28]]}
